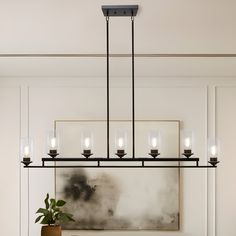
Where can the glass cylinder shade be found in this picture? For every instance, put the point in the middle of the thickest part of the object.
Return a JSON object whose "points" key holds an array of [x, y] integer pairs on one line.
{"points": [[154, 140], [213, 150], [187, 140], [26, 150], [121, 140], [52, 143], [86, 141], [187, 143]]}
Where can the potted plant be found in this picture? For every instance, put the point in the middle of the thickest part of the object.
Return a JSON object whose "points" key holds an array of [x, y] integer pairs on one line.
{"points": [[52, 216]]}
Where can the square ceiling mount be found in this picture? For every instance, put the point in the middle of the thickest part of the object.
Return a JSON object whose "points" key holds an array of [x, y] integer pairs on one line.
{"points": [[120, 10]]}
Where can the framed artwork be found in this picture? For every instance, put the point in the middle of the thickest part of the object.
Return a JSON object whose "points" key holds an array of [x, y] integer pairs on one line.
{"points": [[119, 199]]}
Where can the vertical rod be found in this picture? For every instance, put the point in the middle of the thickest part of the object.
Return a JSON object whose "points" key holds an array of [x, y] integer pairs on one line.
{"points": [[133, 95], [108, 92]]}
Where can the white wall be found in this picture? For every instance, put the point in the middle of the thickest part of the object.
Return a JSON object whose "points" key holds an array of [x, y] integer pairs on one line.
{"points": [[183, 26], [205, 105]]}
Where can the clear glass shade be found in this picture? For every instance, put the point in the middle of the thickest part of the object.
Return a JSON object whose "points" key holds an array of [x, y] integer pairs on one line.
{"points": [[121, 140], [154, 140], [86, 140], [53, 141], [26, 149], [187, 140], [213, 148]]}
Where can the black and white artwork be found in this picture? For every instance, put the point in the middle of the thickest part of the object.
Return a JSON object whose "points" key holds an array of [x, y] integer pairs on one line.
{"points": [[119, 199]]}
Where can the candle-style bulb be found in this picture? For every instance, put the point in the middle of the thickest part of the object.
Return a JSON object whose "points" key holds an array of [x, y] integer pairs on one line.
{"points": [[154, 142], [26, 151], [213, 150], [120, 142], [53, 143], [187, 142], [87, 142]]}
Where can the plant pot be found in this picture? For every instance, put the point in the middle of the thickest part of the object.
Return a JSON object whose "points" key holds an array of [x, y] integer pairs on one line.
{"points": [[51, 230]]}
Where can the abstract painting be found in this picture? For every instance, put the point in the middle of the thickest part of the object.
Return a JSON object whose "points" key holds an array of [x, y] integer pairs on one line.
{"points": [[119, 199]]}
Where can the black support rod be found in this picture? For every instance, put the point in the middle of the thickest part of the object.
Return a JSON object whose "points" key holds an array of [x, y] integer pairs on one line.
{"points": [[108, 92], [133, 94]]}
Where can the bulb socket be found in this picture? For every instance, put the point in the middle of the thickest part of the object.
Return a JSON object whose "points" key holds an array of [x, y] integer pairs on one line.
{"points": [[120, 153], [154, 153], [53, 153], [213, 161], [87, 153], [187, 153]]}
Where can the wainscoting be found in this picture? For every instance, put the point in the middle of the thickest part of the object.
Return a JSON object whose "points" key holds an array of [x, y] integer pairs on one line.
{"points": [[204, 105]]}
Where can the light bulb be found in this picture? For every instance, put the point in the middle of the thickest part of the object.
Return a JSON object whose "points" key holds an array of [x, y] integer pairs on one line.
{"points": [[120, 142], [87, 142], [187, 142], [213, 150], [53, 142], [154, 142], [26, 151]]}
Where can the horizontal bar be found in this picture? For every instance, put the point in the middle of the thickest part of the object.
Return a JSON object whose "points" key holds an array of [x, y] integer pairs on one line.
{"points": [[120, 10], [47, 167], [142, 55], [119, 159]]}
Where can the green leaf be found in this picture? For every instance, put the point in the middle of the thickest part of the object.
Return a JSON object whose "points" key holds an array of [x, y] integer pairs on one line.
{"points": [[64, 217], [46, 201], [57, 209], [47, 220], [60, 203], [38, 219], [68, 215], [52, 203], [43, 211], [70, 218]]}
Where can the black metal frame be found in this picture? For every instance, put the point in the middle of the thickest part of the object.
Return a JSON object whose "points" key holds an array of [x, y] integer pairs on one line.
{"points": [[120, 11], [141, 161], [99, 161]]}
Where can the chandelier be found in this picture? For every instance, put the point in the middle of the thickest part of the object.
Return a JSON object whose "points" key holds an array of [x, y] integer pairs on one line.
{"points": [[26, 144]]}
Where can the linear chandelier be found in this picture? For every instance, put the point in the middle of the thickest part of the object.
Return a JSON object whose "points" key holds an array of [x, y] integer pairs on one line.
{"points": [[26, 144]]}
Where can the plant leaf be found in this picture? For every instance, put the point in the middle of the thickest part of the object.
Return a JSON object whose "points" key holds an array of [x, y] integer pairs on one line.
{"points": [[38, 219], [47, 220], [69, 216], [52, 203], [43, 211], [60, 203], [56, 209], [64, 217], [46, 201]]}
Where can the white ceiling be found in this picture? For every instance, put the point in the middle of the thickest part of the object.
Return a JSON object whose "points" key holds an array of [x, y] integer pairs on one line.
{"points": [[78, 26]]}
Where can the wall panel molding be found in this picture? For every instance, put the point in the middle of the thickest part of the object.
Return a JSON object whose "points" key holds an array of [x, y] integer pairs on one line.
{"points": [[204, 91]]}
